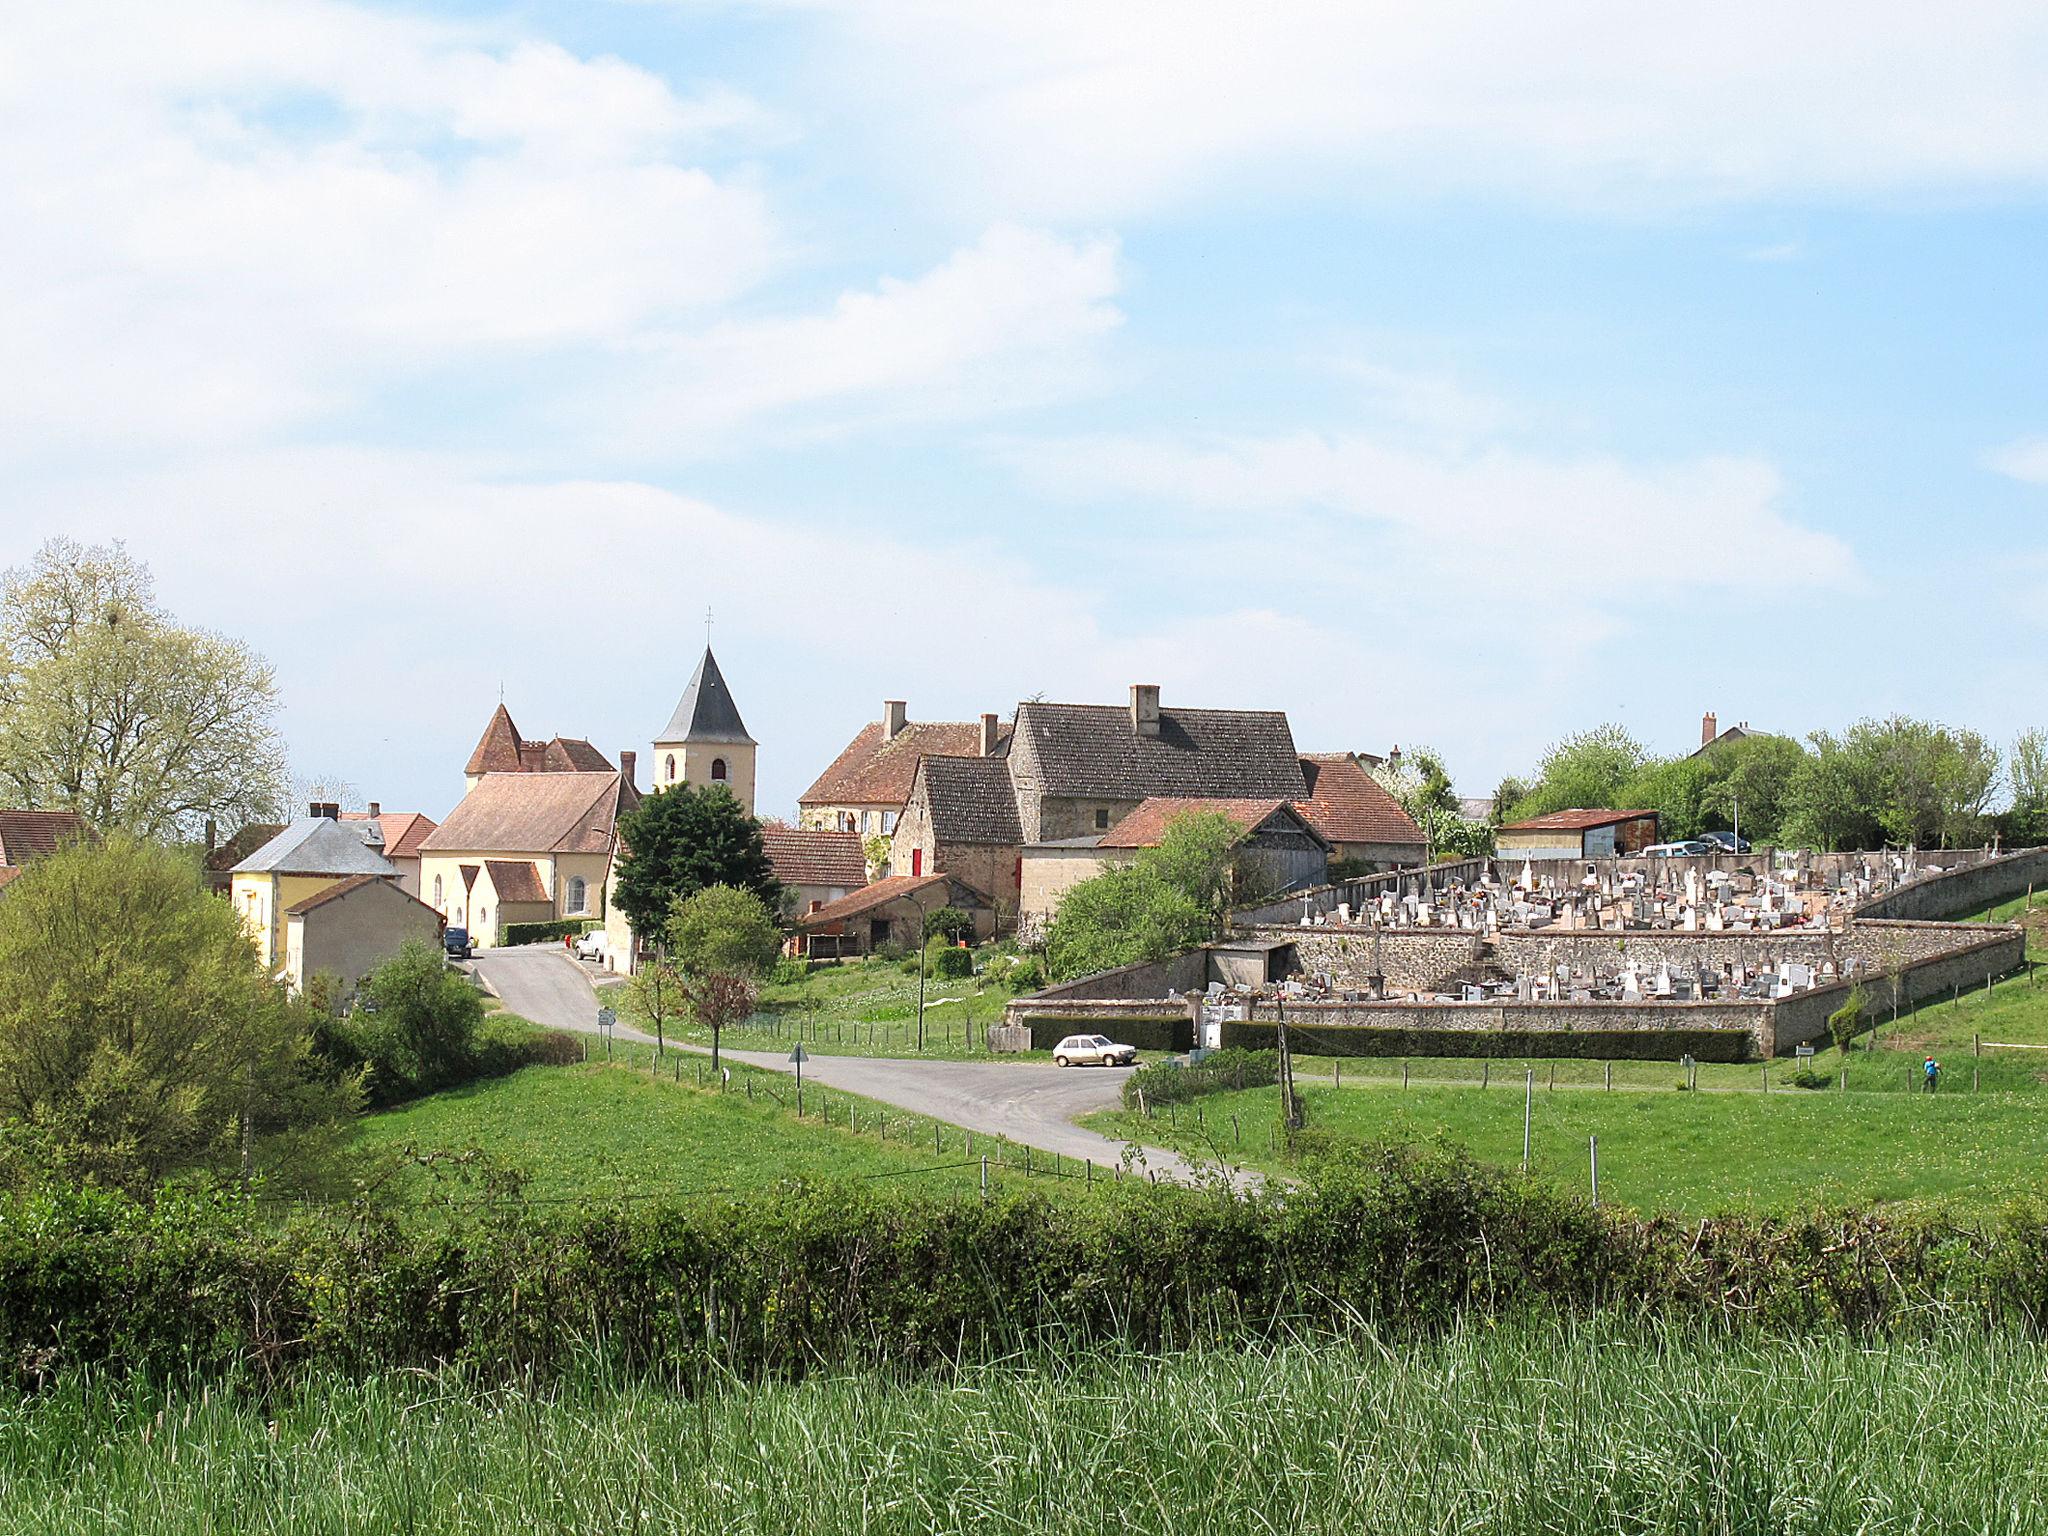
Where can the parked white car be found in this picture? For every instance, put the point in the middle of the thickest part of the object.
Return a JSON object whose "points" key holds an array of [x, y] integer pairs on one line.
{"points": [[594, 946], [1093, 1050]]}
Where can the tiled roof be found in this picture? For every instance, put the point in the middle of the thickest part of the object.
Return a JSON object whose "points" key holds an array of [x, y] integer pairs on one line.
{"points": [[1347, 805], [515, 880], [706, 711], [881, 893], [318, 845], [498, 749], [1574, 821], [814, 856], [872, 771], [972, 800], [1143, 827], [25, 835], [535, 813], [1091, 749], [402, 831], [572, 754]]}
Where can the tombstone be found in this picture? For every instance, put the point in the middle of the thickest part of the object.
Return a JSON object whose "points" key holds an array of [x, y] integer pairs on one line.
{"points": [[1690, 921], [1344, 912]]}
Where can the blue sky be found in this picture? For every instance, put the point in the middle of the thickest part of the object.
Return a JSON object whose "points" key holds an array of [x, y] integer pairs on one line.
{"points": [[1463, 374]]}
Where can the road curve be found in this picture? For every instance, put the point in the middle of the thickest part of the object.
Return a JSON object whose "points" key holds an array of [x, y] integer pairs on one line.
{"points": [[1032, 1104]]}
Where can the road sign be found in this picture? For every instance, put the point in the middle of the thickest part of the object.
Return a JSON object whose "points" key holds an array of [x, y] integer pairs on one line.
{"points": [[606, 1018], [1802, 1050], [799, 1056]]}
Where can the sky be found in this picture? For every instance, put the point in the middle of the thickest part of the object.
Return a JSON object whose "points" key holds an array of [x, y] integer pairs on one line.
{"points": [[1463, 374]]}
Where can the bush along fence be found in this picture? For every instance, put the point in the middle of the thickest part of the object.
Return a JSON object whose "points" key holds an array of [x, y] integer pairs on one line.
{"points": [[806, 1277], [551, 932], [1168, 1082]]}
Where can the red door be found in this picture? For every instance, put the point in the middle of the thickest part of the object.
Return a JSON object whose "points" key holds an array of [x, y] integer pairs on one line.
{"points": [[916, 862]]}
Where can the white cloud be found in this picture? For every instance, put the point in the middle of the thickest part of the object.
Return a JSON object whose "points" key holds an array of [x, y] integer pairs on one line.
{"points": [[1595, 535], [2025, 460], [1068, 107], [228, 214], [1003, 322]]}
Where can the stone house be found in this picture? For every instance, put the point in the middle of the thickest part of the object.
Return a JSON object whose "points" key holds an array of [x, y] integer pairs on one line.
{"points": [[816, 865], [890, 914], [526, 846], [961, 817], [347, 930], [1357, 817], [867, 787]]}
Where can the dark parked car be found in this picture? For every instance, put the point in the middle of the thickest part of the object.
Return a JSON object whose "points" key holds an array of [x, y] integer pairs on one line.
{"points": [[1725, 842], [456, 942]]}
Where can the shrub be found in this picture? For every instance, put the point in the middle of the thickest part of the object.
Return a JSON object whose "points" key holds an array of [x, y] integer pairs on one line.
{"points": [[551, 932], [790, 971], [948, 961], [1158, 1032], [415, 1029], [1027, 974], [1168, 1082]]}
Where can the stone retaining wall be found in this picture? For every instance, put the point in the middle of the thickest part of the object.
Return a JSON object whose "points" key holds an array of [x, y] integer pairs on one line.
{"points": [[1981, 882]]}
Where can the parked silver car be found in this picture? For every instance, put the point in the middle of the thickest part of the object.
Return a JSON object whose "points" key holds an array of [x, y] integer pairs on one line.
{"points": [[1093, 1050]]}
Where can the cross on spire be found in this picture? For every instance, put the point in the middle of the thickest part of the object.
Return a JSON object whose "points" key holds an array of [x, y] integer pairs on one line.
{"points": [[707, 629]]}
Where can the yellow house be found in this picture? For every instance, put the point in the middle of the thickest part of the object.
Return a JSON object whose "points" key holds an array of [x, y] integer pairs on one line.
{"points": [[303, 860], [524, 848]]}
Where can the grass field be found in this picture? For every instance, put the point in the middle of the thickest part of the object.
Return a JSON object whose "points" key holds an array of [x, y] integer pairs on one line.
{"points": [[607, 1132], [1517, 1430], [861, 1008]]}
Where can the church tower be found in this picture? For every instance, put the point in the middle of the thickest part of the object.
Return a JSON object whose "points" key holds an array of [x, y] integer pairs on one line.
{"points": [[706, 742]]}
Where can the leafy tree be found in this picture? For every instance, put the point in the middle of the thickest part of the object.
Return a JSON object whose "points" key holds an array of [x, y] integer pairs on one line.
{"points": [[1753, 785], [418, 1033], [1899, 780], [1124, 916], [685, 839], [723, 940], [1199, 853], [138, 1032], [1587, 770], [658, 993], [876, 849], [112, 709], [1422, 785], [2026, 767], [950, 924]]}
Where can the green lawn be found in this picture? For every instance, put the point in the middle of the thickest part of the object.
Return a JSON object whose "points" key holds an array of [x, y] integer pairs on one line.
{"points": [[603, 1132]]}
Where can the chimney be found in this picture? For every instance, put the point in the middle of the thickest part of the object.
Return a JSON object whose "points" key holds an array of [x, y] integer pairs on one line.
{"points": [[626, 762], [895, 715], [324, 809], [1145, 709], [1709, 727], [376, 810], [990, 733]]}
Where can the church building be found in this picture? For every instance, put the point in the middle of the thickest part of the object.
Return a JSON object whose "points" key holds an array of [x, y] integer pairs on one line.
{"points": [[706, 741]]}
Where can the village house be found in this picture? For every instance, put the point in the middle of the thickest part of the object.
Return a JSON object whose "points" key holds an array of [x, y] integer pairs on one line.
{"points": [[865, 789], [889, 915], [1712, 736], [1348, 807], [400, 834], [353, 926], [28, 835], [816, 865], [309, 856], [961, 817]]}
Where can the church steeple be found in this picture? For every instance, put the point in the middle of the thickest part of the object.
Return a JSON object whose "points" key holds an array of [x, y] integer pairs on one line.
{"points": [[706, 741]]}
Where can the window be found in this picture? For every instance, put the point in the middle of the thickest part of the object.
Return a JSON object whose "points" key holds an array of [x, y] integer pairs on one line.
{"points": [[483, 917], [1102, 821], [718, 770], [888, 823], [437, 892], [671, 767], [579, 896]]}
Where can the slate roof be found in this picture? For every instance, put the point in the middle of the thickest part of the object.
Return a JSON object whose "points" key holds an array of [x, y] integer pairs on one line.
{"points": [[872, 771], [1574, 821], [1144, 827], [25, 835], [815, 856], [515, 880], [972, 800], [1347, 805], [535, 813], [319, 845], [880, 894], [1091, 750], [706, 711]]}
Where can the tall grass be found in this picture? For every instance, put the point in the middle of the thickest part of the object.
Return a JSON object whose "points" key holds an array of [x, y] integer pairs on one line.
{"points": [[1531, 1428]]}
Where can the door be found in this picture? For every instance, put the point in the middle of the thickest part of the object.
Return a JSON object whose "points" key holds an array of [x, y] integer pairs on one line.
{"points": [[916, 862]]}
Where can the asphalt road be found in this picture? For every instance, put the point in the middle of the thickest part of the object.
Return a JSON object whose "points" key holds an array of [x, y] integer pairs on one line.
{"points": [[1032, 1104]]}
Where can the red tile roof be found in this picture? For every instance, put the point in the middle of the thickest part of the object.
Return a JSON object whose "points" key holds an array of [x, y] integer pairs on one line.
{"points": [[1347, 805], [872, 771], [25, 835], [516, 881], [504, 750], [572, 754], [880, 894], [1574, 821], [348, 887], [1144, 827], [811, 856], [498, 750], [535, 813]]}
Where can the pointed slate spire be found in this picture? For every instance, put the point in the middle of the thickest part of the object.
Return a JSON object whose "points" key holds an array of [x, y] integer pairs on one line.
{"points": [[706, 711]]}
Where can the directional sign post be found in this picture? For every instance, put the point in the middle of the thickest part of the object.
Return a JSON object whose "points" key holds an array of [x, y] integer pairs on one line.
{"points": [[606, 1019], [797, 1057]]}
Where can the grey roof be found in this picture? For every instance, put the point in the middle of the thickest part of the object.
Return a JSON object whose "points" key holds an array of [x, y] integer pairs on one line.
{"points": [[1091, 749], [972, 800], [318, 845], [706, 711]]}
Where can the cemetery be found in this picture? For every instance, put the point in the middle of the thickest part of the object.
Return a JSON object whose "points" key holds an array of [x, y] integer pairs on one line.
{"points": [[1730, 958]]}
